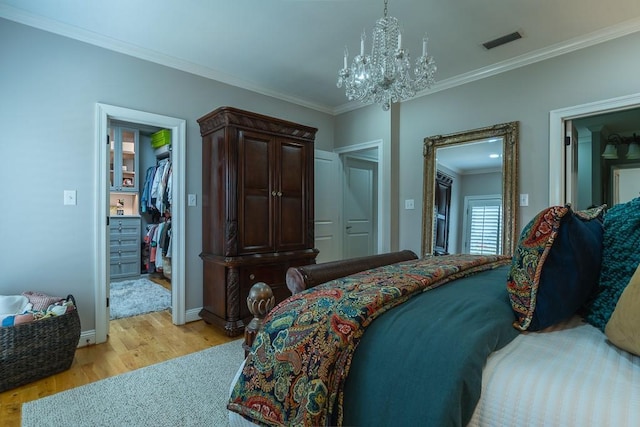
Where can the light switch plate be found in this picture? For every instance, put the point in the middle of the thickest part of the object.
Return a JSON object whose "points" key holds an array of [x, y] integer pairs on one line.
{"points": [[524, 200], [69, 197], [409, 204], [191, 200]]}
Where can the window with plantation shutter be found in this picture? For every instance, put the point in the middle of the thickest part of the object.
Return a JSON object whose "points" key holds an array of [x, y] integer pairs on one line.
{"points": [[483, 231]]}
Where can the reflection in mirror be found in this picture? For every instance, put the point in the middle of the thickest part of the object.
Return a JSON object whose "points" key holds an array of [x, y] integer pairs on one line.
{"points": [[470, 191], [603, 161]]}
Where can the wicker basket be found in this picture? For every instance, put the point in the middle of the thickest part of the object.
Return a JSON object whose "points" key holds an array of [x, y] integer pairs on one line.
{"points": [[31, 351]]}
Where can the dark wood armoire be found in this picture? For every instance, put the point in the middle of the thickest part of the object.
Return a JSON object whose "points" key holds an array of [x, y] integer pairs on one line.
{"points": [[257, 209]]}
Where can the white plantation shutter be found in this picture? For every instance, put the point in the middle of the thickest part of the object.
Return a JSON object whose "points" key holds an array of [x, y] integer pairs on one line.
{"points": [[484, 226]]}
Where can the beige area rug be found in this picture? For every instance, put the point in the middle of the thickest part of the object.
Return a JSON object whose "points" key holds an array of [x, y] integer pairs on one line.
{"points": [[190, 390]]}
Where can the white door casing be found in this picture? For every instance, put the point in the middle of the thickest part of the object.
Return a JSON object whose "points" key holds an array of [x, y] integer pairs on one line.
{"points": [[104, 113], [383, 196], [557, 157]]}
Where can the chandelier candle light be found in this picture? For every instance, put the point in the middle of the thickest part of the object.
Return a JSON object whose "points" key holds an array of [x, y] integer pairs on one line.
{"points": [[384, 76]]}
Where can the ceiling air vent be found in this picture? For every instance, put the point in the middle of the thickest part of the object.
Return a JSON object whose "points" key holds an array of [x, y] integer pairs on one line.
{"points": [[502, 40]]}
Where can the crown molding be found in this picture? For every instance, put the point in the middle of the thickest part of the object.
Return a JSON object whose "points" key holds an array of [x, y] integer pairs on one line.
{"points": [[90, 37], [601, 36]]}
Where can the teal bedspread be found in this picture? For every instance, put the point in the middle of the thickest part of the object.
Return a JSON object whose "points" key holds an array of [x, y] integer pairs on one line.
{"points": [[301, 360], [421, 363]]}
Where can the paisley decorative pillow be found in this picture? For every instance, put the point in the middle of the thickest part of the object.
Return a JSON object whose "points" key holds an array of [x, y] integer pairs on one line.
{"points": [[556, 266]]}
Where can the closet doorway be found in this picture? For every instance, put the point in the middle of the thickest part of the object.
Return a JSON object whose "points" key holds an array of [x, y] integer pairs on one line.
{"points": [[106, 115]]}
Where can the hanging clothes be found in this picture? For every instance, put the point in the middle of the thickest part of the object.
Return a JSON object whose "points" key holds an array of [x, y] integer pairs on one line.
{"points": [[156, 201]]}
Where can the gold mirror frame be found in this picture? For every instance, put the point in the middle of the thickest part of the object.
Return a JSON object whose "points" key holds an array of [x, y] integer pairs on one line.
{"points": [[509, 132]]}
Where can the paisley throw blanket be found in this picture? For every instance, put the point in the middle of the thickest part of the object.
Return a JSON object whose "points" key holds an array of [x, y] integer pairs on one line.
{"points": [[295, 372]]}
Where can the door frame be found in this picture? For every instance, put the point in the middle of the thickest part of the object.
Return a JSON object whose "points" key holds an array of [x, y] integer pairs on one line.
{"points": [[384, 187], [557, 155], [104, 112]]}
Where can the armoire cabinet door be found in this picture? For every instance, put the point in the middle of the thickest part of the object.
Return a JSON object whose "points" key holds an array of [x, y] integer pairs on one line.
{"points": [[292, 189], [255, 187]]}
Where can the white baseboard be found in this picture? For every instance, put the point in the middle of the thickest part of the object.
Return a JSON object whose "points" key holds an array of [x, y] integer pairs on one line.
{"points": [[87, 338], [192, 315]]}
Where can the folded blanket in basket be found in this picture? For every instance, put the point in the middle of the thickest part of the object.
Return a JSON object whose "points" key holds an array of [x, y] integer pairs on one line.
{"points": [[11, 305], [41, 301], [28, 313]]}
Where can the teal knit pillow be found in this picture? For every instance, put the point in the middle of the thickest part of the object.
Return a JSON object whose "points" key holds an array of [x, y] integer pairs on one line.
{"points": [[620, 258]]}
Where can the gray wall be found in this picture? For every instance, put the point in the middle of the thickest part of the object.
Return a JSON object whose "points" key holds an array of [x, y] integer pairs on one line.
{"points": [[49, 86]]}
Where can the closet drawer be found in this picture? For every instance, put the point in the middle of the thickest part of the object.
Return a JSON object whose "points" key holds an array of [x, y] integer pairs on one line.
{"points": [[124, 247], [124, 253], [124, 269], [120, 226], [127, 240]]}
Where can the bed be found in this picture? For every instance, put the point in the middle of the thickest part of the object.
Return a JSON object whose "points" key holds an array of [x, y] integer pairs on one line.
{"points": [[462, 348]]}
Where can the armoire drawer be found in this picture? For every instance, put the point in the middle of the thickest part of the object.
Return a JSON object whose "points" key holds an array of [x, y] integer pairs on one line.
{"points": [[271, 274]]}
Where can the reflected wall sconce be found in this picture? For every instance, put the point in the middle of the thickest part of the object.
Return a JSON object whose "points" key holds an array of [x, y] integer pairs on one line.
{"points": [[611, 149], [634, 151]]}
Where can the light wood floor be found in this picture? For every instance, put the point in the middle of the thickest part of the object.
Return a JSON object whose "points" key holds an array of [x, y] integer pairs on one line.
{"points": [[133, 343]]}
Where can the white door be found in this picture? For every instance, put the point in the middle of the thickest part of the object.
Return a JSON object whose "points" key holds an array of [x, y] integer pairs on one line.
{"points": [[360, 192], [327, 206]]}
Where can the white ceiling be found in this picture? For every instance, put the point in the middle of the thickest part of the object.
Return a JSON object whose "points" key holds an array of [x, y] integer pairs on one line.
{"points": [[292, 49]]}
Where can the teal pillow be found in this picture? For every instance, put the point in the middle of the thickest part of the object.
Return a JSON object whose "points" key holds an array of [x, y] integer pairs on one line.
{"points": [[620, 258], [555, 267]]}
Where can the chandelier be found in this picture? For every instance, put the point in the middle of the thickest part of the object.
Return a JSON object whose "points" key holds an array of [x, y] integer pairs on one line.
{"points": [[384, 76]]}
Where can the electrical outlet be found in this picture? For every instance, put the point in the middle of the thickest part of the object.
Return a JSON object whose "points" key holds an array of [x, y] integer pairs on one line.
{"points": [[524, 200], [191, 200]]}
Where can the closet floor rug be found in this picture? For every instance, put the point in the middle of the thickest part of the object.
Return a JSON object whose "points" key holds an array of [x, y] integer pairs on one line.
{"points": [[133, 297]]}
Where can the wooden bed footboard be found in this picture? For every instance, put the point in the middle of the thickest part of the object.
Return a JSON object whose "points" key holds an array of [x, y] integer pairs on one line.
{"points": [[261, 300]]}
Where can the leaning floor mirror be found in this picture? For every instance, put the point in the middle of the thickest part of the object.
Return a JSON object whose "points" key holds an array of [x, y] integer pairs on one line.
{"points": [[470, 191]]}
